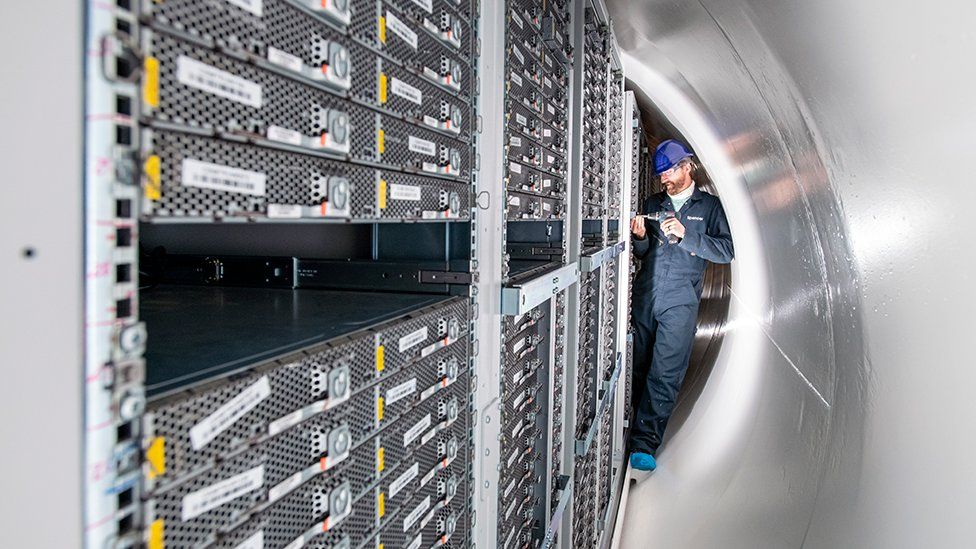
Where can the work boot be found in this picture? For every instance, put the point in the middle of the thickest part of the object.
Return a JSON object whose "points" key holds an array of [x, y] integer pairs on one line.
{"points": [[642, 461]]}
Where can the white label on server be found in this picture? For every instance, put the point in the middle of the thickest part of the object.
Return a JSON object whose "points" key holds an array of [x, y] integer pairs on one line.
{"points": [[285, 486], [406, 91], [431, 121], [401, 29], [415, 515], [514, 167], [284, 135], [550, 108], [521, 58], [512, 458], [521, 119], [550, 159], [405, 192], [253, 6], [417, 541], [405, 479], [546, 132], [509, 488], [515, 141], [422, 146], [211, 497], [401, 391], [225, 416], [518, 20], [222, 178], [509, 510], [426, 4], [415, 431], [517, 79], [412, 339], [546, 207], [218, 82], [546, 183], [285, 59], [284, 211], [514, 201], [546, 82], [254, 542]]}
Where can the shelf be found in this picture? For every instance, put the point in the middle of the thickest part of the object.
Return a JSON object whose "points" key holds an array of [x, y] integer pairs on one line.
{"points": [[200, 332]]}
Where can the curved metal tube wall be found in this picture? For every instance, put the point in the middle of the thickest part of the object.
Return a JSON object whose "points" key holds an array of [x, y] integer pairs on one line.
{"points": [[839, 407]]}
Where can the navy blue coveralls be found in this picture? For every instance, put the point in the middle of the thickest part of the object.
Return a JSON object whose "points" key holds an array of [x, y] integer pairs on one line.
{"points": [[667, 291]]}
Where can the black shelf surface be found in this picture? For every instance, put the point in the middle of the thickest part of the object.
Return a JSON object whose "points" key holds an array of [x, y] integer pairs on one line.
{"points": [[199, 333]]}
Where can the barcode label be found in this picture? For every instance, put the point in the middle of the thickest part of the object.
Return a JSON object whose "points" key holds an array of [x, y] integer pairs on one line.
{"points": [[401, 391], [550, 108], [285, 59], [517, 79], [518, 54], [514, 167], [426, 4], [285, 486], [201, 501], [284, 135], [422, 146], [253, 6], [284, 211], [518, 20], [515, 141], [201, 76], [417, 336], [222, 178], [415, 515], [415, 431], [546, 82], [406, 91], [521, 119], [225, 416], [401, 29], [254, 542], [403, 480]]}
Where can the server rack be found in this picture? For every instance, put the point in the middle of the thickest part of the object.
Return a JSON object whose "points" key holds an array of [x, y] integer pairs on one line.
{"points": [[360, 273]]}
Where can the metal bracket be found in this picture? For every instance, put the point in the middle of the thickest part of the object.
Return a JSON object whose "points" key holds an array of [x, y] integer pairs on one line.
{"points": [[589, 263], [445, 277], [528, 295]]}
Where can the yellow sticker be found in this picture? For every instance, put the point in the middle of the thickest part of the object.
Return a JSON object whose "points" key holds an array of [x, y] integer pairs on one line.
{"points": [[150, 81], [381, 505], [379, 409], [156, 535], [381, 194], [153, 170], [156, 456], [380, 358], [382, 29], [380, 460], [382, 86], [381, 141]]}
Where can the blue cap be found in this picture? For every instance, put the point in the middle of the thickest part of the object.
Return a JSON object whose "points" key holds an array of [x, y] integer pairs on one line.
{"points": [[668, 154]]}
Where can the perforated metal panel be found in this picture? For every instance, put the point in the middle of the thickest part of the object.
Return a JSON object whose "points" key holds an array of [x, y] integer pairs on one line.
{"points": [[298, 381]]}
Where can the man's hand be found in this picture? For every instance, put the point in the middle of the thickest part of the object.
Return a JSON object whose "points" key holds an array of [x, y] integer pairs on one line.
{"points": [[637, 227], [672, 226]]}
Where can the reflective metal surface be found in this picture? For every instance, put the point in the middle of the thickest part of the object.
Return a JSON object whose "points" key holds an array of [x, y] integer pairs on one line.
{"points": [[837, 410]]}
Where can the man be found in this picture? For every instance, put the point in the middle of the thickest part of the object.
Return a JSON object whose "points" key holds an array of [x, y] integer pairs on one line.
{"points": [[667, 291]]}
